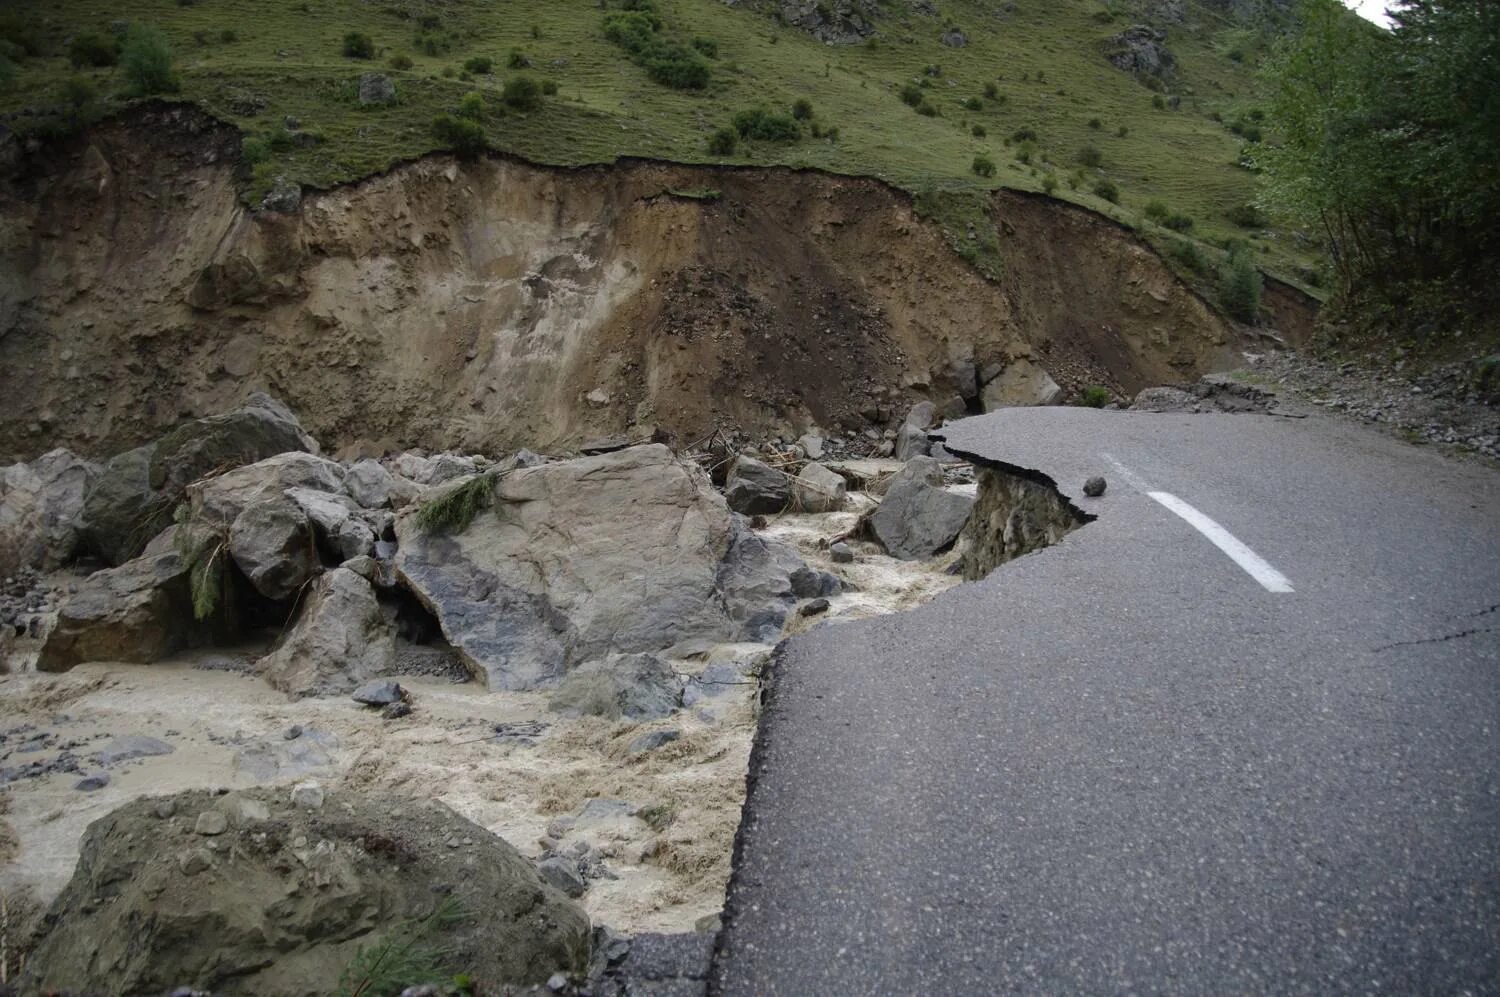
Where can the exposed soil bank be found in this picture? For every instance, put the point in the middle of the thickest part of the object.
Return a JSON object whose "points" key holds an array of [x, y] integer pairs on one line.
{"points": [[491, 304]]}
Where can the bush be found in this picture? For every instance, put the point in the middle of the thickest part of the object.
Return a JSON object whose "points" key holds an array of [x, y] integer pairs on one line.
{"points": [[1024, 153], [228, 36], [638, 33], [973, 104], [1156, 211], [802, 109], [522, 93], [462, 135], [147, 61], [1108, 191], [1023, 135], [1178, 223], [1188, 254], [1049, 183], [515, 60], [1090, 156], [1246, 216], [983, 166], [399, 61], [357, 45], [471, 106], [1094, 396], [79, 93], [480, 64], [1122, 131], [911, 95], [991, 91], [927, 109], [432, 42], [723, 142], [758, 123], [1095, 124], [978, 131], [706, 46], [93, 48], [1158, 102], [549, 88], [1240, 287], [254, 150]]}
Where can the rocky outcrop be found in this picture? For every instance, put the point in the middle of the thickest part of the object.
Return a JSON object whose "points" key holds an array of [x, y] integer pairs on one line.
{"points": [[1020, 382], [754, 488], [754, 582], [575, 561], [254, 893], [133, 498], [1142, 51], [832, 22], [918, 517], [629, 686], [340, 640], [40, 506]]}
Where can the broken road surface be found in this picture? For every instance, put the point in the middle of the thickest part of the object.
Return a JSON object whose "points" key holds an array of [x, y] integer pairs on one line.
{"points": [[1128, 763]]}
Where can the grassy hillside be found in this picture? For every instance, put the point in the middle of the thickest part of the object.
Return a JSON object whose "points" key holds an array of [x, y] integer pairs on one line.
{"points": [[1030, 68]]}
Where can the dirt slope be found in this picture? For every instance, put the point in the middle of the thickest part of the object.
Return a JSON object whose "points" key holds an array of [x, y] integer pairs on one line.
{"points": [[492, 304]]}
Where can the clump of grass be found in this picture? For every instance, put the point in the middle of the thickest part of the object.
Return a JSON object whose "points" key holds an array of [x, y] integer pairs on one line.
{"points": [[1094, 396], [409, 953], [723, 141], [978, 131], [802, 109], [983, 166], [1091, 157], [357, 45], [147, 61], [479, 64], [455, 509], [1107, 190], [522, 93], [766, 126], [658, 816]]}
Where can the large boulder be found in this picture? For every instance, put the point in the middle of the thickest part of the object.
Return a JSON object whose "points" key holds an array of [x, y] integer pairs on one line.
{"points": [[918, 517], [221, 498], [628, 686], [754, 488], [253, 893], [1141, 50], [339, 522], [340, 641], [139, 612], [272, 544], [755, 583], [40, 505], [1020, 383], [134, 496], [573, 561], [817, 489], [370, 484]]}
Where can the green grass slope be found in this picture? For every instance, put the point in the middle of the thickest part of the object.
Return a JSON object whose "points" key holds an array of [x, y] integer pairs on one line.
{"points": [[1032, 67]]}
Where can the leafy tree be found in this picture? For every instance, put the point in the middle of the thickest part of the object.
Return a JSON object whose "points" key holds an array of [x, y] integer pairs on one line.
{"points": [[1240, 285], [522, 93]]}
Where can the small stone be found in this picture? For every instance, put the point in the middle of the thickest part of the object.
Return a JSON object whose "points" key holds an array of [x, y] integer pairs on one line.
{"points": [[814, 608], [292, 733], [90, 783], [380, 693], [165, 809], [557, 983], [194, 861], [562, 874], [841, 553], [307, 794], [395, 711], [211, 822], [1094, 487]]}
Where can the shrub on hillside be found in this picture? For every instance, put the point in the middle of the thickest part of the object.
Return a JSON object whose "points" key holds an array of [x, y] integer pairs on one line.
{"points": [[802, 109], [706, 46], [991, 91], [1189, 255], [1023, 135], [1246, 216], [927, 109], [463, 136], [1156, 211], [522, 93], [638, 32], [758, 123], [93, 48], [1094, 396], [254, 150], [147, 61], [1240, 286], [479, 64], [471, 106], [549, 88], [399, 61], [978, 131], [515, 60], [1090, 156], [1107, 190], [357, 45], [1095, 124], [723, 142], [911, 95], [983, 166], [1122, 131], [973, 104], [1177, 222], [1049, 183]]}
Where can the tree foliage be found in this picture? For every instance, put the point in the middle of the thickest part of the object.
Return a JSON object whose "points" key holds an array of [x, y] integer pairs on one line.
{"points": [[1389, 142]]}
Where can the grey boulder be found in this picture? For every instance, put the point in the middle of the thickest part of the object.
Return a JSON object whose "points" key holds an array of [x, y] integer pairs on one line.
{"points": [[817, 489], [911, 442], [754, 488], [340, 641], [41, 503], [370, 484], [272, 544], [917, 517], [1020, 383], [624, 686]]}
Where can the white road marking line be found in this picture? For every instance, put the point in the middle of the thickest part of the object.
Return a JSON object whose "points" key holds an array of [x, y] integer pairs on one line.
{"points": [[1252, 563]]}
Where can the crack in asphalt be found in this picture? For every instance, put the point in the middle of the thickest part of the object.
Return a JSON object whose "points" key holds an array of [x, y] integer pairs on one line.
{"points": [[1446, 637]]}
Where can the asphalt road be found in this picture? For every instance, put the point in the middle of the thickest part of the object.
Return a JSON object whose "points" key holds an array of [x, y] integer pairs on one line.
{"points": [[1122, 764]]}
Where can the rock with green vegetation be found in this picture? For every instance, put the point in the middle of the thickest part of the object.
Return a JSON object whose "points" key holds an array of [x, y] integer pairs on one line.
{"points": [[340, 640], [134, 497], [138, 612], [361, 894], [572, 561]]}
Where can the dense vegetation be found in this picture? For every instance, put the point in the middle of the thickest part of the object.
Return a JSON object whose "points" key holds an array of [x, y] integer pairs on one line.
{"points": [[1390, 149]]}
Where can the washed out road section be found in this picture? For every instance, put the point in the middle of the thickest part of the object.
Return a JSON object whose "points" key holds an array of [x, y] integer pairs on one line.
{"points": [[1120, 764]]}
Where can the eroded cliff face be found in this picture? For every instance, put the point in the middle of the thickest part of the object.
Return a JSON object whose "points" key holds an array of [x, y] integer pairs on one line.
{"points": [[493, 304]]}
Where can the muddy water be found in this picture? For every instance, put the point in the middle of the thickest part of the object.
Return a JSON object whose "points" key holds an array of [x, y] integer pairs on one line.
{"points": [[230, 730]]}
